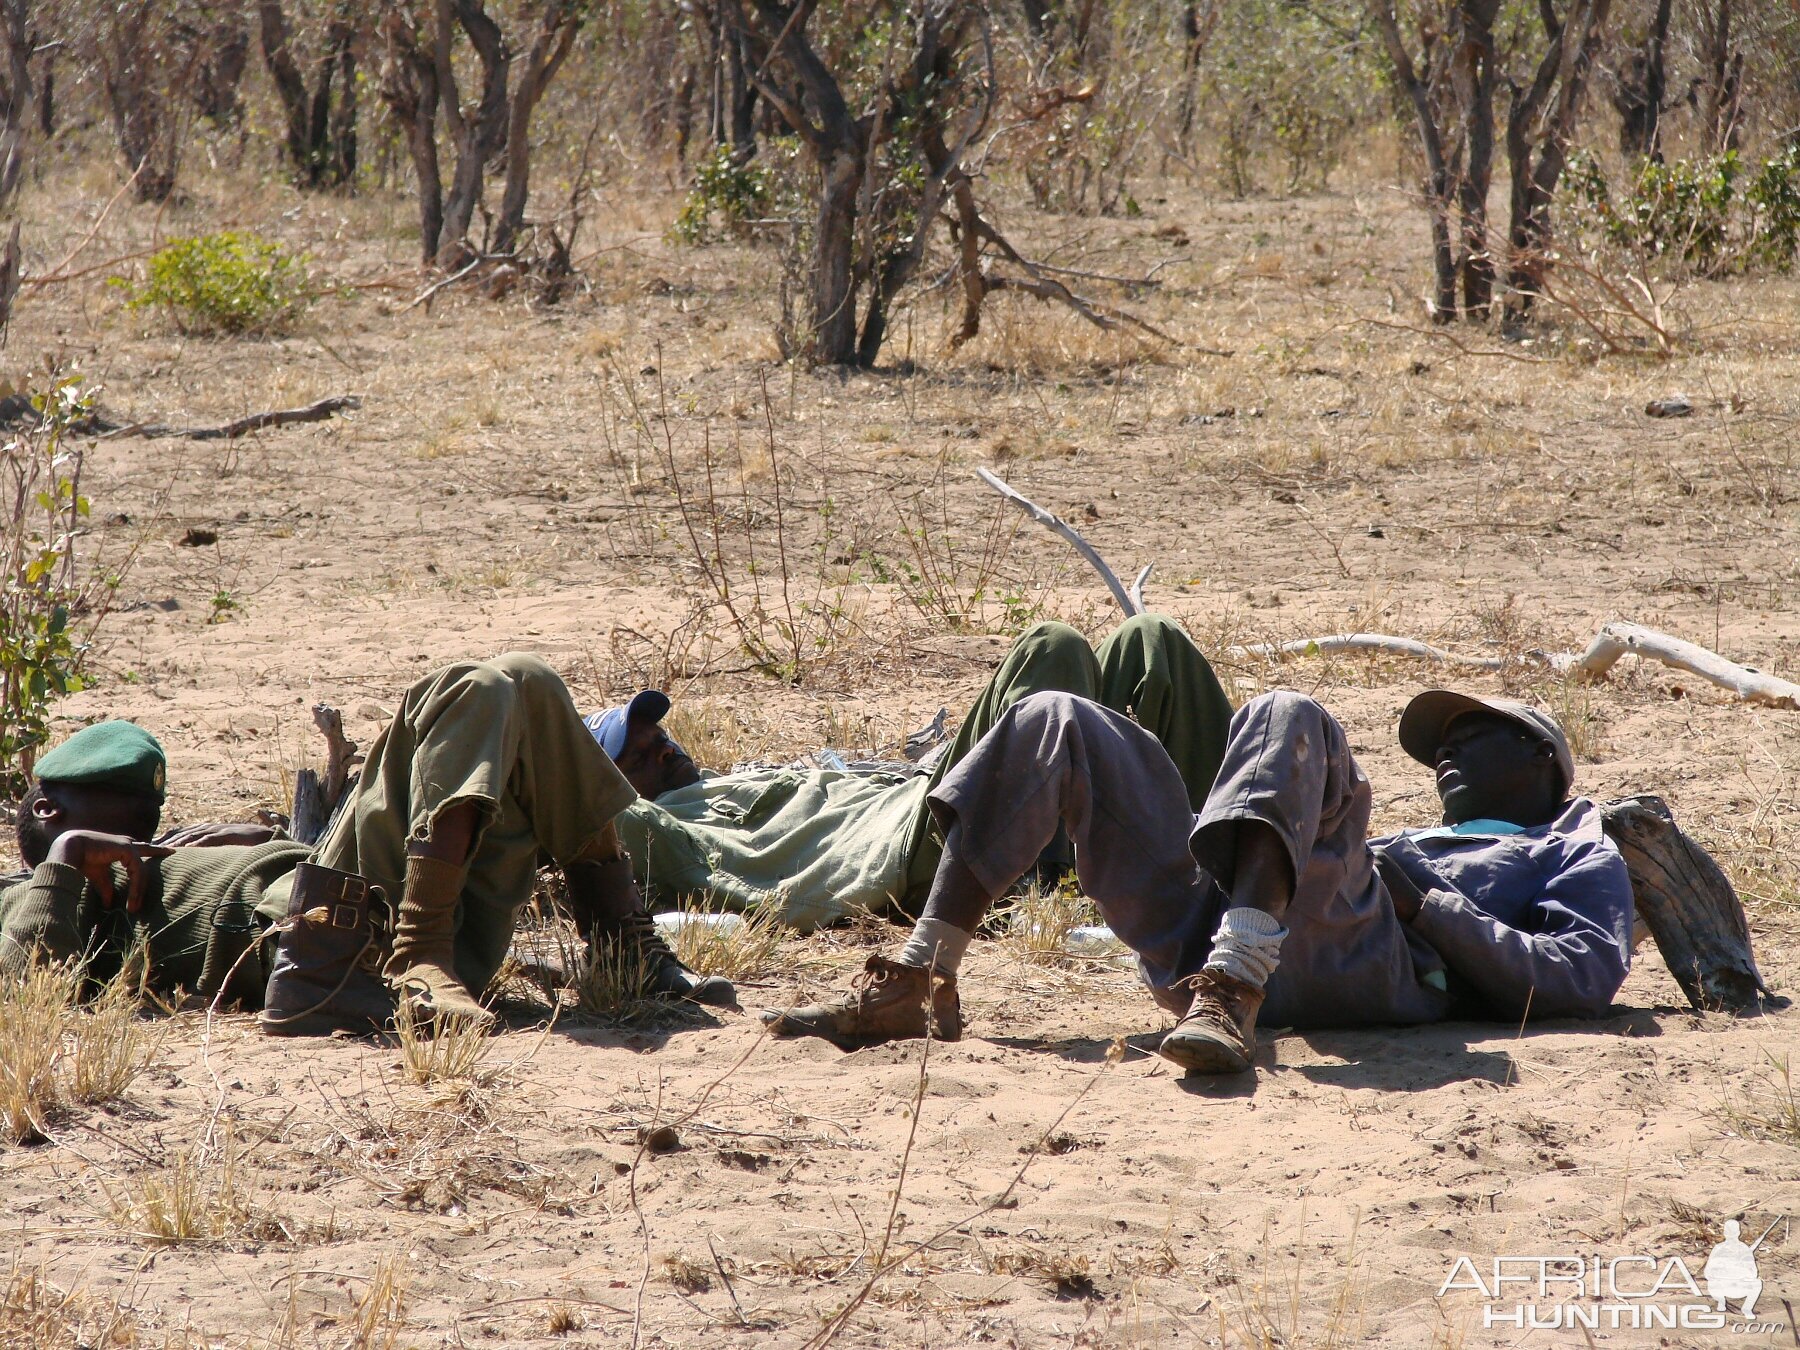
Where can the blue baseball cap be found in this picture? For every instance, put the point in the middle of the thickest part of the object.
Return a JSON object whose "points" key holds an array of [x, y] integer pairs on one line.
{"points": [[611, 727]]}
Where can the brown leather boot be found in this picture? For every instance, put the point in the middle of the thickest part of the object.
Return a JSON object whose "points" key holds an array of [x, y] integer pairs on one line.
{"points": [[1218, 1035], [887, 1002], [422, 969], [326, 975]]}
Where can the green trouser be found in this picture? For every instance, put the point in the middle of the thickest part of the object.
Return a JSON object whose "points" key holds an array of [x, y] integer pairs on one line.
{"points": [[1147, 668], [505, 735]]}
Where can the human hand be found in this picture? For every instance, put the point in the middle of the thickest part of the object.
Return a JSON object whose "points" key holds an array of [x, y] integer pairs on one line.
{"points": [[215, 834], [94, 855], [1408, 899]]}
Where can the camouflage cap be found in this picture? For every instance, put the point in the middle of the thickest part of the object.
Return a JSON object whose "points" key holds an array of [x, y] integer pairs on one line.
{"points": [[118, 755]]}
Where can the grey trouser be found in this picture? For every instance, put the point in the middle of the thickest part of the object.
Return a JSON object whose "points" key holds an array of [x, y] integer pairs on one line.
{"points": [[1056, 758]]}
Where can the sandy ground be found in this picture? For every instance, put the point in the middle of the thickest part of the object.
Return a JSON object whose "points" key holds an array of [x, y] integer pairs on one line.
{"points": [[528, 479]]}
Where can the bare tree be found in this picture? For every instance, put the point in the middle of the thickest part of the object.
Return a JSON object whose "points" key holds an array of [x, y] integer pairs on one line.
{"points": [[882, 166], [1451, 88], [1539, 123], [143, 69], [218, 38], [320, 139], [1640, 84], [419, 83], [1721, 84], [16, 91]]}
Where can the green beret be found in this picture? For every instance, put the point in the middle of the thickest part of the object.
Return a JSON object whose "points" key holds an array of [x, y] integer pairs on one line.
{"points": [[118, 755]]}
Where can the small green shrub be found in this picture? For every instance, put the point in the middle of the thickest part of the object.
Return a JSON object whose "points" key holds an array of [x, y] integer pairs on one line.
{"points": [[42, 514], [739, 195], [226, 283]]}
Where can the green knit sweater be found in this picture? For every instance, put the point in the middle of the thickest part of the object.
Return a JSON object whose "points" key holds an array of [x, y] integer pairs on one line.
{"points": [[202, 908]]}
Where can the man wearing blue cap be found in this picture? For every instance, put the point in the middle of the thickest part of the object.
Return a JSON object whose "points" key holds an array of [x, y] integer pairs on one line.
{"points": [[816, 846], [485, 766]]}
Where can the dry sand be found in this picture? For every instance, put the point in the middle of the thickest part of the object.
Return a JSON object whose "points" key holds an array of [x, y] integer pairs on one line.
{"points": [[1333, 474]]}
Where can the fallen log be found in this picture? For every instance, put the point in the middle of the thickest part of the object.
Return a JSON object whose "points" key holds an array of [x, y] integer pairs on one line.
{"points": [[1690, 907], [321, 411]]}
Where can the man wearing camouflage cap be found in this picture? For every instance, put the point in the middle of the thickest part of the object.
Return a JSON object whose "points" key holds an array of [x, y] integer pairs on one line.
{"points": [[1517, 905]]}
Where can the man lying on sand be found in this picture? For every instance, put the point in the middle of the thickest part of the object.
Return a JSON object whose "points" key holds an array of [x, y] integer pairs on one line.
{"points": [[1517, 906], [485, 765], [817, 845]]}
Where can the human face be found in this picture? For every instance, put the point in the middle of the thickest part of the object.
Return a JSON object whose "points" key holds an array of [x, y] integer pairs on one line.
{"points": [[1490, 768], [54, 809], [652, 763]]}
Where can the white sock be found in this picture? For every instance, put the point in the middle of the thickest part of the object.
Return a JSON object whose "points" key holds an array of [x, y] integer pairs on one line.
{"points": [[935, 945], [1247, 946]]}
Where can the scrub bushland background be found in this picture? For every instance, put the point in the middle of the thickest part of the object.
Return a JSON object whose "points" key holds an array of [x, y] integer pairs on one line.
{"points": [[621, 436]]}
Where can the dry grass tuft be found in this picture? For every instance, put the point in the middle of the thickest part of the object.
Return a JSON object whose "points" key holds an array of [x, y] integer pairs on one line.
{"points": [[444, 1049], [690, 1277], [1069, 1274], [35, 1313], [380, 1315], [1273, 1304], [1768, 1110], [560, 1320], [56, 1052], [716, 941], [612, 984], [1036, 926], [196, 1196]]}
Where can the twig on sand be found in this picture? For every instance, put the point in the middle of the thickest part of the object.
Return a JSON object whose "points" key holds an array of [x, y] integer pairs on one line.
{"points": [[883, 1268]]}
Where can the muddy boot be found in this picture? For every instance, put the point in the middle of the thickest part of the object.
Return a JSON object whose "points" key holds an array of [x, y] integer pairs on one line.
{"points": [[326, 974], [610, 915], [422, 969], [887, 1002], [1218, 1035]]}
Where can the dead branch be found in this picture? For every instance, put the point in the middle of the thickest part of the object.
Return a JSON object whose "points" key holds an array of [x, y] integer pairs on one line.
{"points": [[1051, 521], [321, 411], [1334, 644], [316, 796], [1137, 586], [1618, 639]]}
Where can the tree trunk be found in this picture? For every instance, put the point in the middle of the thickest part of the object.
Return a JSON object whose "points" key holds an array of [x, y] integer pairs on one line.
{"points": [[556, 33], [15, 94], [409, 88], [1437, 171], [741, 99], [833, 338], [1537, 140], [1477, 77], [478, 141]]}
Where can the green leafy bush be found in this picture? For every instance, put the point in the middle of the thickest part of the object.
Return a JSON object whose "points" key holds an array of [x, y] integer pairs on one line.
{"points": [[226, 283], [736, 193], [1699, 211], [42, 511]]}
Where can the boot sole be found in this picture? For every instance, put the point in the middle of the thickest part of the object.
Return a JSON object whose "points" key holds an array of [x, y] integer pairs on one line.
{"points": [[1199, 1055]]}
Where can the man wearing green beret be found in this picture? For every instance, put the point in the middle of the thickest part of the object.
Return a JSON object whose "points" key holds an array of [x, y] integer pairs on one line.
{"points": [[485, 766]]}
